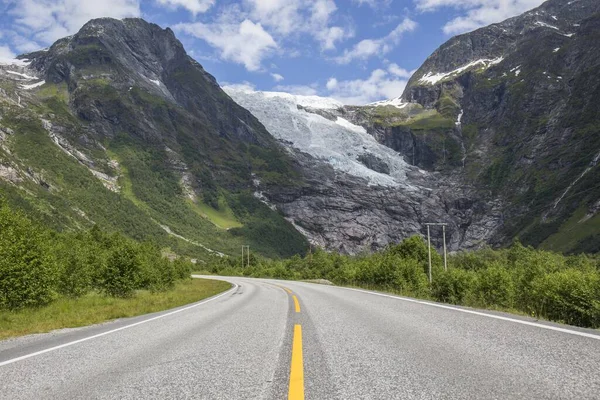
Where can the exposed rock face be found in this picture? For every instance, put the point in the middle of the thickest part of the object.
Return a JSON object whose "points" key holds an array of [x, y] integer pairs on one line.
{"points": [[497, 134], [500, 122], [357, 194], [127, 108]]}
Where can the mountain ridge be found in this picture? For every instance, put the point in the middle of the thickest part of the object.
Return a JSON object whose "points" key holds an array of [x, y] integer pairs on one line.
{"points": [[490, 142]]}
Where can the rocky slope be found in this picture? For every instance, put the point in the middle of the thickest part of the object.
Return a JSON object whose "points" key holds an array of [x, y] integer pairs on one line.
{"points": [[358, 194], [497, 135], [498, 130], [509, 109], [117, 125]]}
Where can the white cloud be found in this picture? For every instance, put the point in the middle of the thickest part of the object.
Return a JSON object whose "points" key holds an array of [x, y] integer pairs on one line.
{"points": [[277, 77], [370, 47], [286, 18], [394, 69], [246, 43], [22, 44], [302, 90], [477, 13], [6, 53], [375, 4], [380, 85], [332, 84], [244, 86], [48, 20], [193, 6]]}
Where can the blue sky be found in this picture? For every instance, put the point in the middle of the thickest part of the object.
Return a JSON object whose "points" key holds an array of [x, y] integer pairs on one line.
{"points": [[356, 51]]}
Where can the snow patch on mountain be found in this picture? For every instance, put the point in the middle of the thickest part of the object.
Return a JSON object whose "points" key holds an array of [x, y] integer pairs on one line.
{"points": [[337, 142], [545, 25], [24, 76], [397, 102], [432, 78], [33, 85]]}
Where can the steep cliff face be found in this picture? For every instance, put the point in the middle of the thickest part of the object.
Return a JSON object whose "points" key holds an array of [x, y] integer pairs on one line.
{"points": [[129, 131], [497, 135], [499, 131], [509, 109], [358, 193]]}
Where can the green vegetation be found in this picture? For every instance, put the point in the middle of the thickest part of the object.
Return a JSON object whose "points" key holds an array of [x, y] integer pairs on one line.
{"points": [[574, 231], [222, 217], [517, 279], [94, 308], [38, 266], [429, 120]]}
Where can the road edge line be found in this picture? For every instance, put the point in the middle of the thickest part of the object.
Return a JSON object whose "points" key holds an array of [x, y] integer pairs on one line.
{"points": [[499, 317], [37, 353]]}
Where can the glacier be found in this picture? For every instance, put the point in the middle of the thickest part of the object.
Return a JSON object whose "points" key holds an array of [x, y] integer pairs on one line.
{"points": [[335, 140]]}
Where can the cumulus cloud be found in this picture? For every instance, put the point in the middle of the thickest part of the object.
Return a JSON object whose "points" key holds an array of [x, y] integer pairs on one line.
{"points": [[477, 13], [277, 77], [6, 53], [375, 4], [287, 18], [302, 90], [48, 20], [244, 86], [370, 47], [246, 43], [193, 6], [394, 69], [380, 85]]}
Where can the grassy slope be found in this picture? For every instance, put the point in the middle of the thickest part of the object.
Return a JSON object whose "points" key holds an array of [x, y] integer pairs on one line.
{"points": [[150, 193], [94, 308]]}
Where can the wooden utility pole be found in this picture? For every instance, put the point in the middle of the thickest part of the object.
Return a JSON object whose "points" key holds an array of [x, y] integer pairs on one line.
{"points": [[247, 248], [429, 248], [443, 225]]}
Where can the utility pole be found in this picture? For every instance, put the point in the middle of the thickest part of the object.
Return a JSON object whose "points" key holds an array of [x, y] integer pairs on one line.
{"points": [[247, 248], [443, 225], [429, 248], [444, 238]]}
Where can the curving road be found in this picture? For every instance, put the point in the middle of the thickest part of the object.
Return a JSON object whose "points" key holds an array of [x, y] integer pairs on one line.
{"points": [[267, 339]]}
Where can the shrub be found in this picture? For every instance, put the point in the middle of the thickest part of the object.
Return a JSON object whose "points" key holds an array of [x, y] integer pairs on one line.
{"points": [[120, 275], [456, 286], [410, 278], [77, 262], [569, 296], [496, 288], [28, 272]]}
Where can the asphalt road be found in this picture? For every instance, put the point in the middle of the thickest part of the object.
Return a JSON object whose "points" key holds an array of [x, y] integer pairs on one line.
{"points": [[268, 339]]}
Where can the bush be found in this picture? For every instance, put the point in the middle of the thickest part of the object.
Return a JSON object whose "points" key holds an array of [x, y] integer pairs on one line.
{"points": [[410, 278], [569, 296], [455, 286], [120, 275], [77, 263], [28, 272], [496, 288]]}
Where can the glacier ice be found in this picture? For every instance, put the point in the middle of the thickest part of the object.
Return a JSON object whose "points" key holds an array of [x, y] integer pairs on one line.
{"points": [[337, 141]]}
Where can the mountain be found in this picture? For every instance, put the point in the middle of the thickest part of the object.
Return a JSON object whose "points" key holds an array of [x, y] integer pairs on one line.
{"points": [[497, 134], [117, 125], [522, 94]]}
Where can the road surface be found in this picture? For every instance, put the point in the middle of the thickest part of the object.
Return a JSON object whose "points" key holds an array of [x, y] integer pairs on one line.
{"points": [[267, 339]]}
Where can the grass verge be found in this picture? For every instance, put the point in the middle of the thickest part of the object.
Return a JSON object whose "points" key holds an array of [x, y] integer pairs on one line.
{"points": [[94, 308]]}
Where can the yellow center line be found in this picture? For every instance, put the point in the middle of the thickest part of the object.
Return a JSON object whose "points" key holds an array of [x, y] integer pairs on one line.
{"points": [[287, 290], [296, 303], [296, 391]]}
